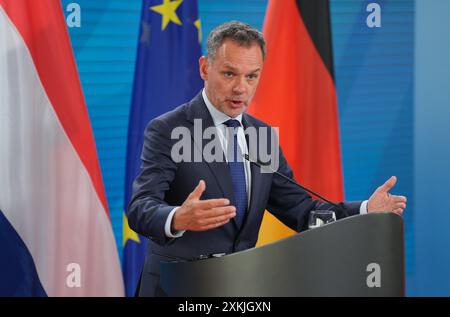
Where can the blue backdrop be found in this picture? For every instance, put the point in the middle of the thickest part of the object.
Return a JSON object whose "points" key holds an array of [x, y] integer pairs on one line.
{"points": [[431, 149]]}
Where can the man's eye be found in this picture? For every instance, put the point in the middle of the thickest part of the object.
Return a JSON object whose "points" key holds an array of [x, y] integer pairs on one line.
{"points": [[252, 77], [228, 74]]}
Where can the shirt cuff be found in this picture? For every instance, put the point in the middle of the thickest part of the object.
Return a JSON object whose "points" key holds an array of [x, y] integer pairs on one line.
{"points": [[363, 208], [168, 226]]}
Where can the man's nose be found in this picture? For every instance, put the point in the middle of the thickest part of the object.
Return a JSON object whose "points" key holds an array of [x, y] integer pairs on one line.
{"points": [[239, 86]]}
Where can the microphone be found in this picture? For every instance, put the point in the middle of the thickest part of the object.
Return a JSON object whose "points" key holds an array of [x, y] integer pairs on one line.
{"points": [[200, 257], [262, 165]]}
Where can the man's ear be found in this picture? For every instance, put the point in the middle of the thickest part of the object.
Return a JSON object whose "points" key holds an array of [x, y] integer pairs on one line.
{"points": [[203, 62]]}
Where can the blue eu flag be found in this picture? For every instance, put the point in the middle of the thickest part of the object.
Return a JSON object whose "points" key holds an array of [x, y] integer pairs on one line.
{"points": [[166, 75]]}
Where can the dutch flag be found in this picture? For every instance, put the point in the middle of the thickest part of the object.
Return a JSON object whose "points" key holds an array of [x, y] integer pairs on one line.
{"points": [[55, 233]]}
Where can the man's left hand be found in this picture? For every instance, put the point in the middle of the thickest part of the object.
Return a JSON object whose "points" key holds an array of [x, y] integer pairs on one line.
{"points": [[382, 201]]}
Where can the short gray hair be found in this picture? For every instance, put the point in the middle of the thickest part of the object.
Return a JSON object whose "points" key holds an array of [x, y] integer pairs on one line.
{"points": [[240, 33]]}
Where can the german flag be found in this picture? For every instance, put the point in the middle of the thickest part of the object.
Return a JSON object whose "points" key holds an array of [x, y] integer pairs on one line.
{"points": [[297, 94]]}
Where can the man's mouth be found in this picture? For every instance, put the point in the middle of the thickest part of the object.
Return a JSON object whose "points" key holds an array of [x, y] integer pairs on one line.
{"points": [[237, 103]]}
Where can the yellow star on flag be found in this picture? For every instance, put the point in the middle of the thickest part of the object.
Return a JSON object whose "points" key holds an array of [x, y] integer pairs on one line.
{"points": [[167, 10], [199, 28], [128, 234]]}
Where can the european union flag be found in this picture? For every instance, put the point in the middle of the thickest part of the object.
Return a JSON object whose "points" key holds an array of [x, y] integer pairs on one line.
{"points": [[166, 75]]}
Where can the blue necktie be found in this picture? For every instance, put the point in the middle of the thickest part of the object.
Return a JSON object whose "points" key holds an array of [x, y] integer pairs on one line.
{"points": [[237, 172]]}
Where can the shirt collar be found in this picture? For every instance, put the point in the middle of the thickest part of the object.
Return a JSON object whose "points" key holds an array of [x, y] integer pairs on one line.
{"points": [[218, 116]]}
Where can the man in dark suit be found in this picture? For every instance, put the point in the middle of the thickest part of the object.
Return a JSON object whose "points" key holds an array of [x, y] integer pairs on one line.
{"points": [[190, 207]]}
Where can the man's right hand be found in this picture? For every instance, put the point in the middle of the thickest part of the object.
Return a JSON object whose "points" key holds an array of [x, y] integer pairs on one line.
{"points": [[201, 215]]}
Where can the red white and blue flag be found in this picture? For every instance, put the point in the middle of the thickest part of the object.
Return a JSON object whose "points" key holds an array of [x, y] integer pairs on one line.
{"points": [[55, 233]]}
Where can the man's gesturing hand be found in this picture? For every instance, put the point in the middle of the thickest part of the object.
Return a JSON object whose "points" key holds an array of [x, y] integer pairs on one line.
{"points": [[200, 215], [381, 200]]}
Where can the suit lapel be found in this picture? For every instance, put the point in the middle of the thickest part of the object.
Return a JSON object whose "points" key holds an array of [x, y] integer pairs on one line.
{"points": [[255, 172], [198, 110]]}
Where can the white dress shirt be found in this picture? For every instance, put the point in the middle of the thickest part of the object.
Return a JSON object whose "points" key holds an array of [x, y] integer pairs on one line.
{"points": [[219, 119]]}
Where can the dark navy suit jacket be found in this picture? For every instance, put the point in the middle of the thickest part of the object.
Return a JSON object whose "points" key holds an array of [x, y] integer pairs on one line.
{"points": [[164, 184]]}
